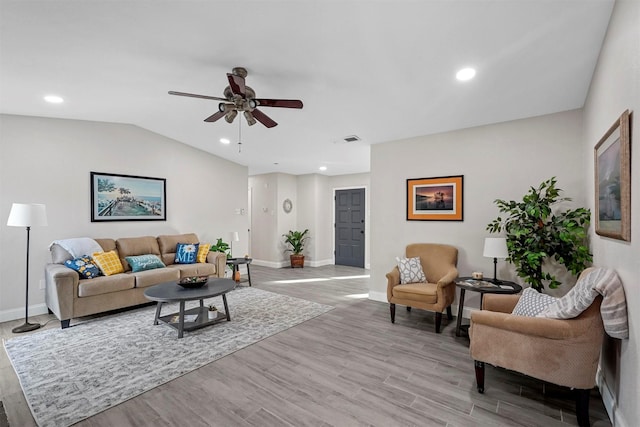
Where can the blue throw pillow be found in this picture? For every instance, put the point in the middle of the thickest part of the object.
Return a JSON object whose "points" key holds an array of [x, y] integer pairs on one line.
{"points": [[144, 262], [84, 266], [186, 253]]}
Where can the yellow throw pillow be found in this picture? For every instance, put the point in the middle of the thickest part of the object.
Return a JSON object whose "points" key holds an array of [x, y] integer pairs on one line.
{"points": [[108, 262], [203, 251]]}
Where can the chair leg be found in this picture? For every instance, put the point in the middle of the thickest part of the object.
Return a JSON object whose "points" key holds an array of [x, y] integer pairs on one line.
{"points": [[449, 314], [392, 310], [582, 407], [480, 375], [408, 308], [438, 321]]}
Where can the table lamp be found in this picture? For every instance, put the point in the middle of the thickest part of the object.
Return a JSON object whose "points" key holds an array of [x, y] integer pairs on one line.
{"points": [[495, 247], [233, 237], [27, 215]]}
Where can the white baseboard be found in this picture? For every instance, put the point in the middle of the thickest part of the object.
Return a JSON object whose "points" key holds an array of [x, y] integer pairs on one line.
{"points": [[283, 264], [609, 400], [319, 263], [18, 313]]}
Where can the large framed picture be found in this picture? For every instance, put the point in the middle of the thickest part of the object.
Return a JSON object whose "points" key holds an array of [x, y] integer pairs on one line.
{"points": [[435, 199], [127, 198], [613, 181]]}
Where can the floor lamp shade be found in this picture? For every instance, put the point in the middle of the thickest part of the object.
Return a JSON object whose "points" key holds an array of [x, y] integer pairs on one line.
{"points": [[495, 247], [27, 215], [233, 237]]}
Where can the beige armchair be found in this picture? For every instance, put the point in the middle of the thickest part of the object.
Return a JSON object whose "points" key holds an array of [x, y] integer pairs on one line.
{"points": [[563, 352], [438, 292]]}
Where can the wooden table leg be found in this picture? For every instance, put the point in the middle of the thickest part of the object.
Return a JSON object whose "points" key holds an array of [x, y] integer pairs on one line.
{"points": [[460, 309]]}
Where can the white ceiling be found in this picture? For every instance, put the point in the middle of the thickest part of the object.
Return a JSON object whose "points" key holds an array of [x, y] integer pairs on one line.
{"points": [[382, 70]]}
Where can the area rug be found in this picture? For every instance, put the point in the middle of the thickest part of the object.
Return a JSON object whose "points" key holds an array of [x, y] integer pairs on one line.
{"points": [[71, 374]]}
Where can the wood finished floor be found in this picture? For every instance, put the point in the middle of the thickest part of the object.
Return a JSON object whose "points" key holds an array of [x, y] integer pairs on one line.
{"points": [[348, 367]]}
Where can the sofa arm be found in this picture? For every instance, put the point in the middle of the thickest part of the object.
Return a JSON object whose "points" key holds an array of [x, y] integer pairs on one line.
{"points": [[220, 261], [61, 286]]}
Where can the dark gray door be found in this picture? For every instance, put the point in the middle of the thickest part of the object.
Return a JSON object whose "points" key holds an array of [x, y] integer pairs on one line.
{"points": [[350, 211]]}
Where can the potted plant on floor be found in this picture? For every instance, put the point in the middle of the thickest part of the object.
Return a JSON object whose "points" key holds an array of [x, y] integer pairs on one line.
{"points": [[536, 234], [296, 241]]}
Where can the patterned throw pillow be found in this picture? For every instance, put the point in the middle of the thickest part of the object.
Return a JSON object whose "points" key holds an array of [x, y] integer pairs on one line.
{"points": [[144, 262], [532, 303], [186, 253], [84, 266], [108, 262], [411, 270], [203, 251]]}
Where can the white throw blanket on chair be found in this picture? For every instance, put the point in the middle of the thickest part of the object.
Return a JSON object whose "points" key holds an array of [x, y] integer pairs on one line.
{"points": [[599, 281]]}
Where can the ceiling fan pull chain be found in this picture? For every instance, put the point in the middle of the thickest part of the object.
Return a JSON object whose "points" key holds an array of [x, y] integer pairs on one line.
{"points": [[239, 136]]}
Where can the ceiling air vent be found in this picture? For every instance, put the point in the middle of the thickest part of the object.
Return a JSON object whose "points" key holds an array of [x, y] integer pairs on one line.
{"points": [[351, 138]]}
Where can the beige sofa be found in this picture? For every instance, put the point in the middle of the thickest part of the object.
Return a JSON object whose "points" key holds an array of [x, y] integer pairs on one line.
{"points": [[67, 296]]}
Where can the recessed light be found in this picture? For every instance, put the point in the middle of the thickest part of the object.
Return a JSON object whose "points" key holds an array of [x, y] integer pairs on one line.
{"points": [[466, 74], [225, 141], [53, 99], [323, 168]]}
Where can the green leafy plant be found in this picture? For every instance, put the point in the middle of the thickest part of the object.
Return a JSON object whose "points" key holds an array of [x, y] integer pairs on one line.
{"points": [[297, 240], [536, 234], [221, 246]]}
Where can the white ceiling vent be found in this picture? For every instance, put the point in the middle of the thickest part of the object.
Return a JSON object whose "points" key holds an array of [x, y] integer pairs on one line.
{"points": [[348, 139]]}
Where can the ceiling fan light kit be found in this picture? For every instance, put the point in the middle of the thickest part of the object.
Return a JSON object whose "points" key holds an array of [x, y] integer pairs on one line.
{"points": [[238, 97]]}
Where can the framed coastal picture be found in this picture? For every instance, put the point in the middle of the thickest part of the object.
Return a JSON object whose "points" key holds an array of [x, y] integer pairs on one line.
{"points": [[127, 198], [435, 199], [613, 181]]}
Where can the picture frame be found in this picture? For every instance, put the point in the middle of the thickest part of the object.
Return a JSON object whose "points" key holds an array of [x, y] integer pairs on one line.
{"points": [[117, 197], [612, 160], [435, 199]]}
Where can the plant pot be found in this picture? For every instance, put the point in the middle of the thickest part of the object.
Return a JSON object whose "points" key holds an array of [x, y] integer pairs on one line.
{"points": [[212, 314], [297, 260]]}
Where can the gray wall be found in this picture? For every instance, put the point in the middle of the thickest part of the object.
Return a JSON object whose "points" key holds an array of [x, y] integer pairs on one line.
{"points": [[616, 87], [48, 161]]}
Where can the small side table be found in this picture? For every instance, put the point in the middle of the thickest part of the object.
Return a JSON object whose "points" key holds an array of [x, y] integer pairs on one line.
{"points": [[503, 287], [235, 263]]}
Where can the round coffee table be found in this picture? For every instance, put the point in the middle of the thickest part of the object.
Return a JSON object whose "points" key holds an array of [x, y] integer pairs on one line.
{"points": [[172, 292], [484, 286]]}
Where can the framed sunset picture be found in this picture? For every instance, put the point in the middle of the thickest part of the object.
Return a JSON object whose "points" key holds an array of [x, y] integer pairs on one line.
{"points": [[435, 199]]}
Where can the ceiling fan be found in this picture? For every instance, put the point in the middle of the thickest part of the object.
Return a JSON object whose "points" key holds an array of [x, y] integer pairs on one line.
{"points": [[238, 97]]}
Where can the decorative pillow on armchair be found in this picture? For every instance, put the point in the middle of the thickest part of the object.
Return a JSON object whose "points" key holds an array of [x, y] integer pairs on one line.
{"points": [[186, 253], [532, 303], [411, 270], [84, 266]]}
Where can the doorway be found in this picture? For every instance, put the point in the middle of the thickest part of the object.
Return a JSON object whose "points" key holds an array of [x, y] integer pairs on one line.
{"points": [[350, 209]]}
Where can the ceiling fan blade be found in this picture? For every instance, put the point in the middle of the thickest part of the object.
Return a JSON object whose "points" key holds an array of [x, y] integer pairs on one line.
{"points": [[236, 83], [193, 95], [263, 118], [284, 103], [216, 116]]}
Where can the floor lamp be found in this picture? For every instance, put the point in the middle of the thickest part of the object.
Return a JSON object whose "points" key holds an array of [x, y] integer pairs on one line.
{"points": [[495, 247], [27, 215], [233, 237]]}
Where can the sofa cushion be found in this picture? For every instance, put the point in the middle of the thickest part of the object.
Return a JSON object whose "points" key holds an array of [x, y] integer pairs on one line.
{"points": [[132, 246], [168, 243], [203, 251], [198, 269], [108, 262], [423, 292], [144, 262], [84, 266], [532, 303], [105, 284], [186, 253], [154, 277]]}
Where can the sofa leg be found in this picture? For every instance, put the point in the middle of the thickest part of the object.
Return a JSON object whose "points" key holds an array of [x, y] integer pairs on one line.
{"points": [[582, 407], [480, 375], [449, 314], [65, 323], [408, 308], [438, 322], [392, 310]]}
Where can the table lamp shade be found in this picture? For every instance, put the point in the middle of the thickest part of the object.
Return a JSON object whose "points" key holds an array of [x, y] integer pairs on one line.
{"points": [[234, 236], [27, 215], [495, 247]]}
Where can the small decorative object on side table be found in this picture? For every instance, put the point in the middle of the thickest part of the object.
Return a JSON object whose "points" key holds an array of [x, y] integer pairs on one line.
{"points": [[484, 287], [235, 263]]}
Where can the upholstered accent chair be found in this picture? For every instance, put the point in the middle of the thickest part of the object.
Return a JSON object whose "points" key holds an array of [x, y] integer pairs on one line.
{"points": [[438, 263], [563, 352]]}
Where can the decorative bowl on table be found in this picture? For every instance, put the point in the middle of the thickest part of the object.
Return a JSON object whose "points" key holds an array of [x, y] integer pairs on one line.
{"points": [[193, 281]]}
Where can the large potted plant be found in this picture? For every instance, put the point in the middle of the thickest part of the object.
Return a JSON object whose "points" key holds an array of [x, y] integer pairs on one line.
{"points": [[296, 241], [536, 234]]}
